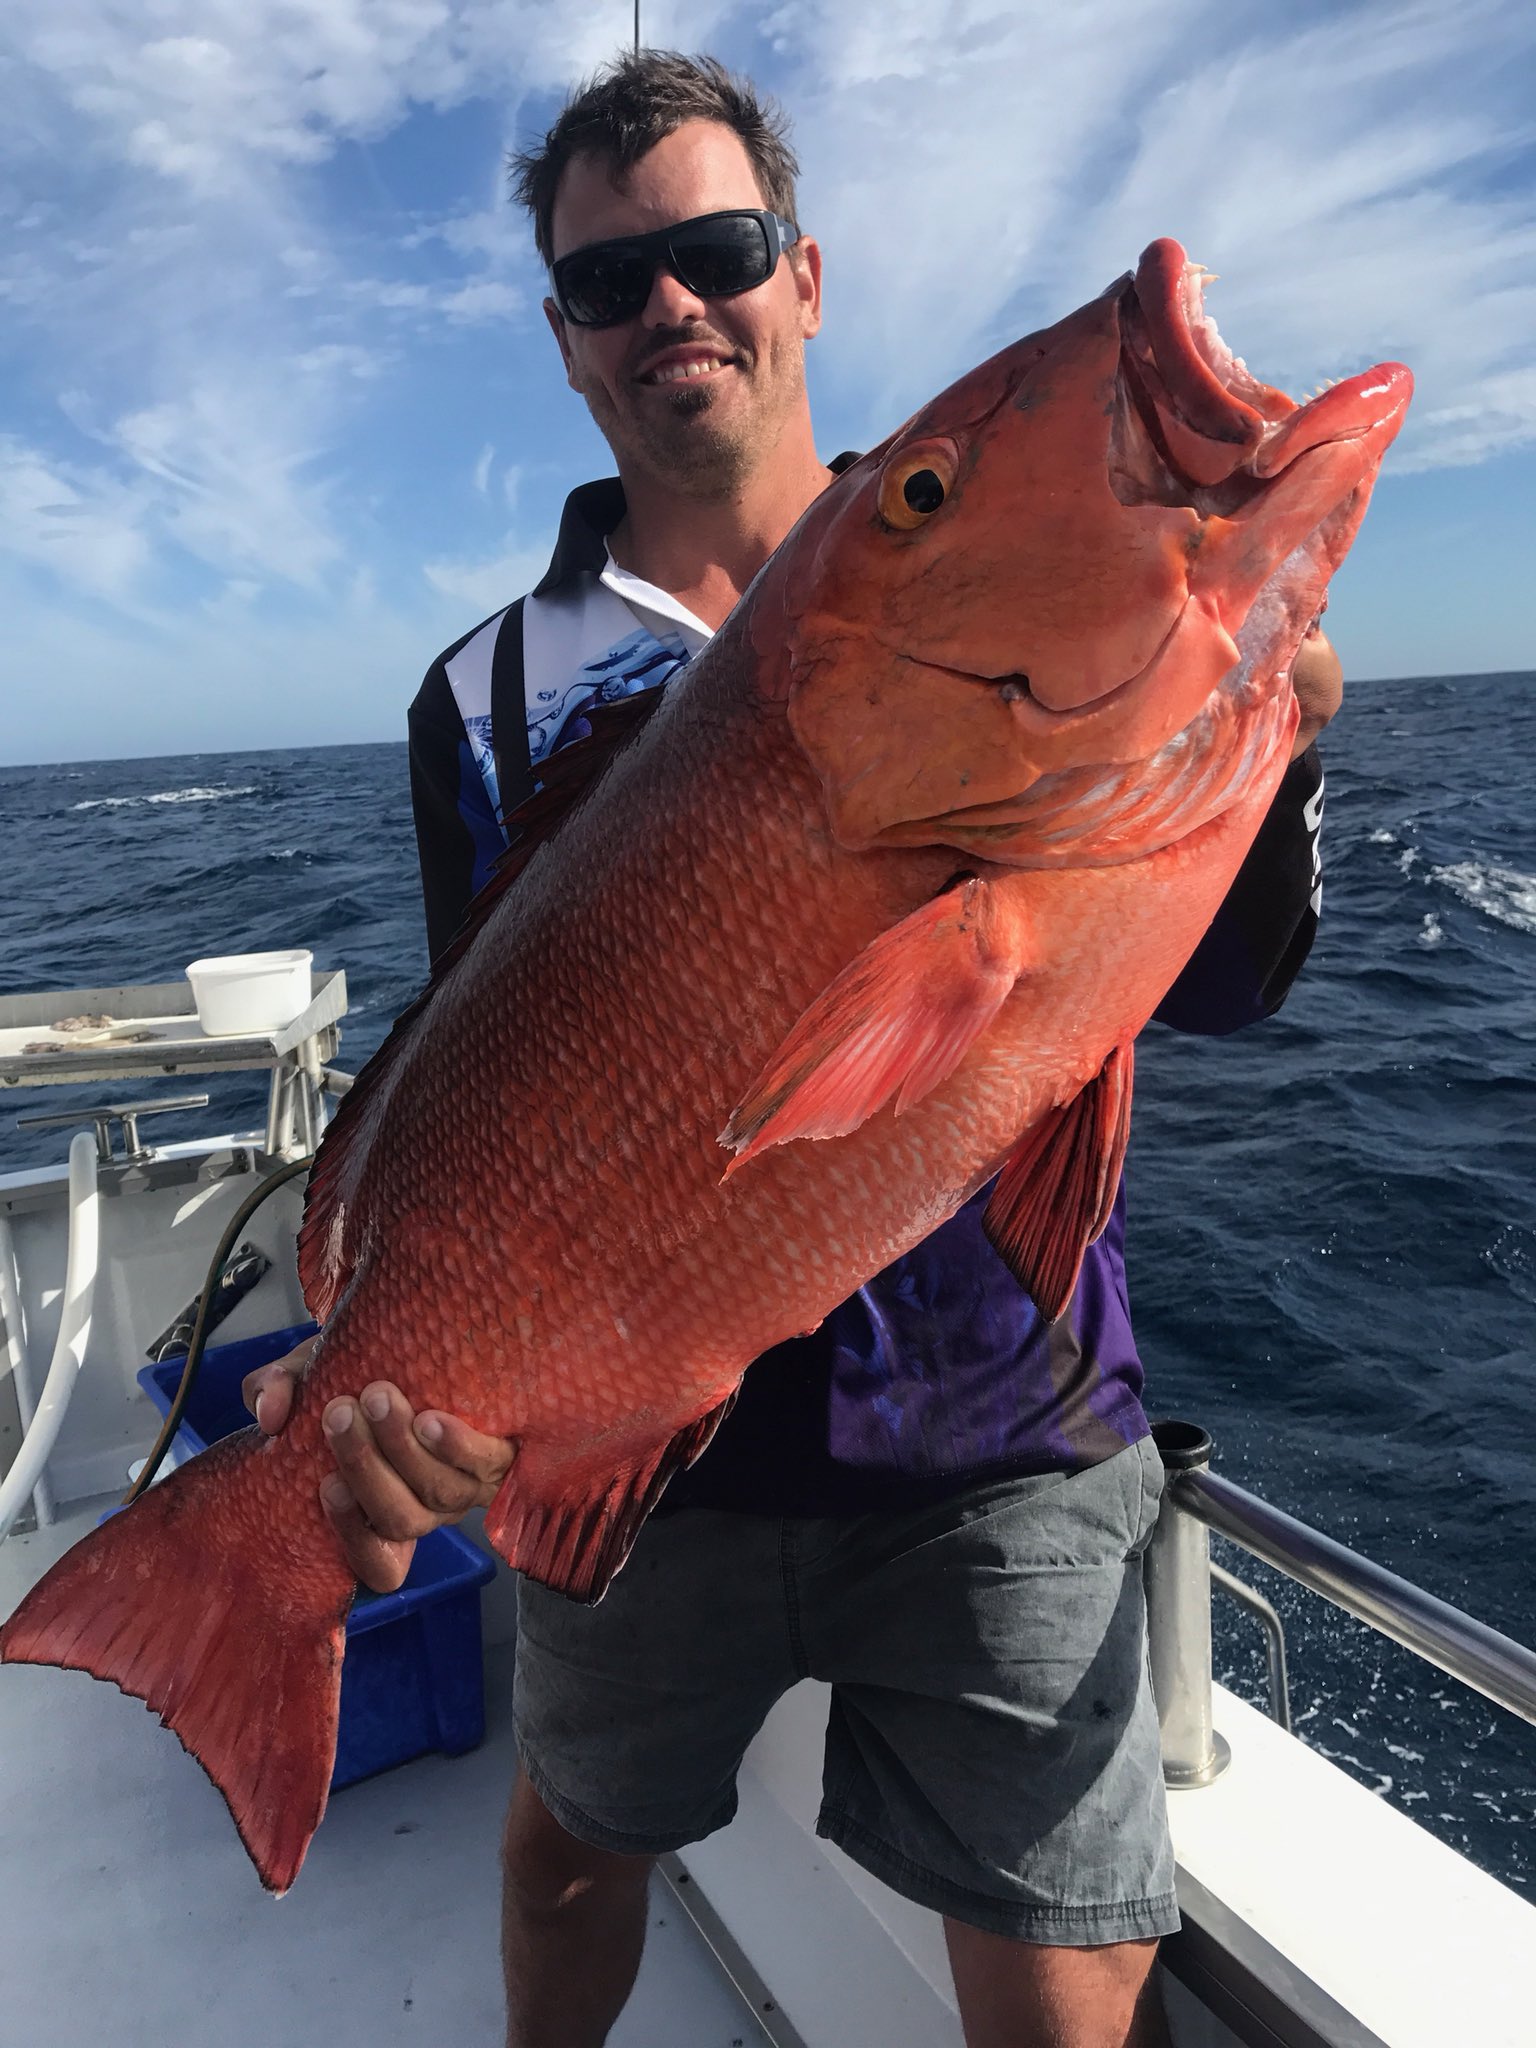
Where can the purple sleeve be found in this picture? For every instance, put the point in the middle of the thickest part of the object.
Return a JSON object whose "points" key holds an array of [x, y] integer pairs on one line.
{"points": [[1243, 968]]}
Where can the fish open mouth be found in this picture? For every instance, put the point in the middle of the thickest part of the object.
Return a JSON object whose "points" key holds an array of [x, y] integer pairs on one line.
{"points": [[1280, 488], [1205, 418], [1193, 428]]}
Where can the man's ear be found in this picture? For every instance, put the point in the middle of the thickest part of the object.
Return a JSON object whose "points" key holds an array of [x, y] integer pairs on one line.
{"points": [[556, 319], [805, 269]]}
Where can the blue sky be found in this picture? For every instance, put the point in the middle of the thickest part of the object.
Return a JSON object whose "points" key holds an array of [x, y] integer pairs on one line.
{"points": [[280, 416]]}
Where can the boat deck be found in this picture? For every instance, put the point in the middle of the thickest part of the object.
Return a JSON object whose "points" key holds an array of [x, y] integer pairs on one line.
{"points": [[129, 1914]]}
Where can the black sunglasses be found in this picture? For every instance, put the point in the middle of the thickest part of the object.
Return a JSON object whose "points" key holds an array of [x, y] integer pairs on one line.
{"points": [[715, 255]]}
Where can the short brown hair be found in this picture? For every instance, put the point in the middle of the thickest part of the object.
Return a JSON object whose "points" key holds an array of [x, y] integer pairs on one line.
{"points": [[625, 109]]}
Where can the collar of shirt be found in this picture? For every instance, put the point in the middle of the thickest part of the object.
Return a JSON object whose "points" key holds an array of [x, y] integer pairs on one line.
{"points": [[654, 607], [591, 513]]}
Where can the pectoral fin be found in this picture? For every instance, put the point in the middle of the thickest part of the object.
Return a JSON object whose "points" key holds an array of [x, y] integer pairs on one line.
{"points": [[1055, 1194], [895, 1022]]}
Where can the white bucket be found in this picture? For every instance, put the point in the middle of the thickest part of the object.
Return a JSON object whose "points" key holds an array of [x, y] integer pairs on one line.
{"points": [[244, 993]]}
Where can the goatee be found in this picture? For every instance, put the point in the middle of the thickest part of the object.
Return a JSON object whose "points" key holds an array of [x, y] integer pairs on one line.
{"points": [[688, 401]]}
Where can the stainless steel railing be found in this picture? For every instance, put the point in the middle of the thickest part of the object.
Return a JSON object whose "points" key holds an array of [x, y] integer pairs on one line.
{"points": [[1178, 1578]]}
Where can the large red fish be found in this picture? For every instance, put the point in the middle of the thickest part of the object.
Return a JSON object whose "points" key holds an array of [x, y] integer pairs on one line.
{"points": [[902, 864]]}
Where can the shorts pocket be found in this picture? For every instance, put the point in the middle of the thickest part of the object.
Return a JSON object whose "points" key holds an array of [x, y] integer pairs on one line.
{"points": [[1151, 1478]]}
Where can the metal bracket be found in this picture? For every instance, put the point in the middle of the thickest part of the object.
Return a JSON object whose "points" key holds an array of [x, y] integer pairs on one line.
{"points": [[1274, 1640], [127, 1113]]}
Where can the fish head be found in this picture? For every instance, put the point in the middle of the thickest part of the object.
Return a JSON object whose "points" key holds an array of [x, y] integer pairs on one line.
{"points": [[1051, 619]]}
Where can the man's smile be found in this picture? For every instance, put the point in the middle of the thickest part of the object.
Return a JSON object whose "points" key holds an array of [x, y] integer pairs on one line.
{"points": [[680, 364]]}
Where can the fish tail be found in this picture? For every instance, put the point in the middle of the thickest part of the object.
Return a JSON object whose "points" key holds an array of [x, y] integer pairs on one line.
{"points": [[230, 1628]]}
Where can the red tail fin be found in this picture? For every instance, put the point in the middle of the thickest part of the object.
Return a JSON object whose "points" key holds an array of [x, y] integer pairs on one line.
{"points": [[230, 1629]]}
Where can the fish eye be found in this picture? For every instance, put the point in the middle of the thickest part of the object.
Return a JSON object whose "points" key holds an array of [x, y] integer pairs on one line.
{"points": [[916, 484], [924, 491]]}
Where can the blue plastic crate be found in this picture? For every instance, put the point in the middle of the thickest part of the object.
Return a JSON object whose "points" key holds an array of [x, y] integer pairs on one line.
{"points": [[414, 1677]]}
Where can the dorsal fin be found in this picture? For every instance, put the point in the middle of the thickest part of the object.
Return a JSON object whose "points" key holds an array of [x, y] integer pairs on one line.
{"points": [[566, 776]]}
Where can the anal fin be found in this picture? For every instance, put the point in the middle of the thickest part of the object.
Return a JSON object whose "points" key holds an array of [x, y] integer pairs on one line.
{"points": [[1055, 1194], [897, 1020], [574, 1537]]}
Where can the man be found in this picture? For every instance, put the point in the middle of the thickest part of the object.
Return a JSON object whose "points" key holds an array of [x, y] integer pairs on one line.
{"points": [[934, 1502]]}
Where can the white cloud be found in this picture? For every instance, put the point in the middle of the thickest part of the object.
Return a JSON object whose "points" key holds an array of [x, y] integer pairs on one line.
{"points": [[227, 91], [493, 232], [222, 371], [215, 322], [1500, 415], [214, 677], [486, 582], [483, 298], [229, 490], [81, 525], [476, 300], [339, 358], [975, 169]]}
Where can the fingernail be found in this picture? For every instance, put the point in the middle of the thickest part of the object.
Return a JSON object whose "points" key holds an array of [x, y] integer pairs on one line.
{"points": [[375, 1404], [335, 1492], [429, 1429], [337, 1419]]}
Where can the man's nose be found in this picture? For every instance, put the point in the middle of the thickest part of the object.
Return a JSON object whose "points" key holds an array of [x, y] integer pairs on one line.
{"points": [[671, 303]]}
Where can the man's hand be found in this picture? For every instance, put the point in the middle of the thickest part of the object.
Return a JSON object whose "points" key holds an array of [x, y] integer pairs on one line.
{"points": [[399, 1475], [1318, 680]]}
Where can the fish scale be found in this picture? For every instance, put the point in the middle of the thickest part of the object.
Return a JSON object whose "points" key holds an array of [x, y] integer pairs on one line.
{"points": [[867, 907]]}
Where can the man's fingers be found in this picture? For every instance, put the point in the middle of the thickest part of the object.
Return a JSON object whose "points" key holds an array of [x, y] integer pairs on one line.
{"points": [[268, 1391], [386, 1499], [400, 1486], [378, 1562], [487, 1459], [462, 1470]]}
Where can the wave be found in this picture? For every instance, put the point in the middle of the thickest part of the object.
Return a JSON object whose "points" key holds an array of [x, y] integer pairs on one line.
{"points": [[197, 795], [1512, 1255], [1506, 894]]}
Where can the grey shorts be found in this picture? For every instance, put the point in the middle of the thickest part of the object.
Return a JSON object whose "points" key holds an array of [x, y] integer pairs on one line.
{"points": [[992, 1746]]}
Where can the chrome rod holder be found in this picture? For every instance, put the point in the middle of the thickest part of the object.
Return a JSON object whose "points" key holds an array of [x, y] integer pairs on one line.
{"points": [[1495, 1665], [1178, 1587], [101, 1116], [1265, 1615]]}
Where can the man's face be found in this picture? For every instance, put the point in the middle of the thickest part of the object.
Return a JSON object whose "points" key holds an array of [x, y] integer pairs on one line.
{"points": [[695, 390]]}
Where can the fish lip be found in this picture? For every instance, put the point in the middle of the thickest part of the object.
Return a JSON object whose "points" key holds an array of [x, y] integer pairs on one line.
{"points": [[1219, 418], [1209, 389]]}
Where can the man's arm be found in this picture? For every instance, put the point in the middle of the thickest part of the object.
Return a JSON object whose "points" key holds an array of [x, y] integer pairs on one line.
{"points": [[457, 836], [1259, 939], [1317, 677]]}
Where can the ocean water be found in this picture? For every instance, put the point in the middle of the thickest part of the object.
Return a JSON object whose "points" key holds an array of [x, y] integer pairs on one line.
{"points": [[1332, 1216]]}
